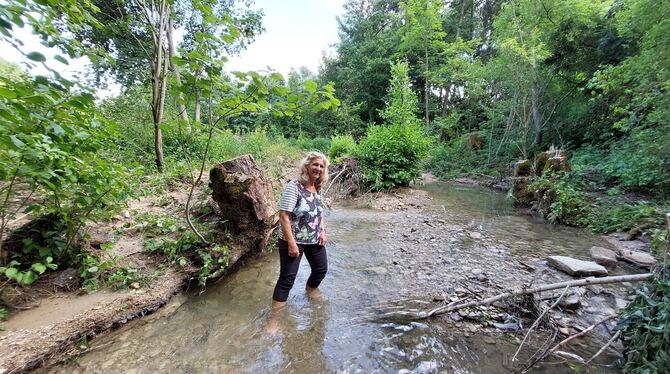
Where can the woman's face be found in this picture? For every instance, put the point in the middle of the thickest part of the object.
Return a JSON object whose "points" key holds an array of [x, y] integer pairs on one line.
{"points": [[315, 169]]}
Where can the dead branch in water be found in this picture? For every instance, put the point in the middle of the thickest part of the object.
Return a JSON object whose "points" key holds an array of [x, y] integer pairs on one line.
{"points": [[612, 340], [537, 322], [582, 333], [526, 291]]}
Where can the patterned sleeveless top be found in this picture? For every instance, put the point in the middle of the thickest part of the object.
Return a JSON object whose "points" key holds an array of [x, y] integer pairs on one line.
{"points": [[305, 208]]}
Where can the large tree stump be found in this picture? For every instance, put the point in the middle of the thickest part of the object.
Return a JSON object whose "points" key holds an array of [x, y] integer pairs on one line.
{"points": [[551, 160], [245, 198]]}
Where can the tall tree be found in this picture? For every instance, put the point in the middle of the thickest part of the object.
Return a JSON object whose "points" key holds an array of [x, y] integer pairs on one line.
{"points": [[369, 37], [423, 37], [139, 34]]}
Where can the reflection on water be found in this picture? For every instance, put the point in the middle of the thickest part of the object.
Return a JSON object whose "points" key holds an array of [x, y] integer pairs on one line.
{"points": [[224, 329]]}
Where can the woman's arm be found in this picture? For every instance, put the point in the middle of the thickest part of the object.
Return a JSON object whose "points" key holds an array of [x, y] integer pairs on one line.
{"points": [[287, 233]]}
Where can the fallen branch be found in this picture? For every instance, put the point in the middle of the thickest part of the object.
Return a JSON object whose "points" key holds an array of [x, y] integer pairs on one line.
{"points": [[537, 322], [334, 178], [542, 288], [614, 338], [582, 333], [570, 355]]}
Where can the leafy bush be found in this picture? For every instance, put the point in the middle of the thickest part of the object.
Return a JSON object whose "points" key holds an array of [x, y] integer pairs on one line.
{"points": [[52, 164], [313, 144], [639, 162], [644, 326], [341, 146], [561, 201], [390, 155]]}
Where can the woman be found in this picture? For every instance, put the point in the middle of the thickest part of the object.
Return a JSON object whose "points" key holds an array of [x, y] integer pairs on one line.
{"points": [[302, 229]]}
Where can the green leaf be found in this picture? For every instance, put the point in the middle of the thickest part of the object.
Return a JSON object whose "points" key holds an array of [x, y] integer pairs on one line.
{"points": [[17, 142], [11, 273], [310, 86], [61, 59], [27, 278], [39, 268], [7, 93], [36, 56]]}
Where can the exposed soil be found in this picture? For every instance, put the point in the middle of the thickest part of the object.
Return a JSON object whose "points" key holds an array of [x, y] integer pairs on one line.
{"points": [[48, 320]]}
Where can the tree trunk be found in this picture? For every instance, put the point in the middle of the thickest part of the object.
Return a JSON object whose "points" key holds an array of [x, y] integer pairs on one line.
{"points": [[181, 108], [196, 115], [460, 19], [427, 86], [159, 71], [535, 110]]}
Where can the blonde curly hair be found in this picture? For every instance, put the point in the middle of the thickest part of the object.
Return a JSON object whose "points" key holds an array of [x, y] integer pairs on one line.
{"points": [[304, 168]]}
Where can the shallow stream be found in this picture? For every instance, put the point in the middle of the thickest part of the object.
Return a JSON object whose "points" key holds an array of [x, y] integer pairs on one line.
{"points": [[223, 330]]}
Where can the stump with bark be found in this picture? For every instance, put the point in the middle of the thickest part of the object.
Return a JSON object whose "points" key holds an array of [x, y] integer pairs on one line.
{"points": [[245, 198]]}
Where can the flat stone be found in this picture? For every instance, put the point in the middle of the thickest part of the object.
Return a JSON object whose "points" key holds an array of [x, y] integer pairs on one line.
{"points": [[603, 256], [576, 267], [571, 302], [475, 235], [638, 258]]}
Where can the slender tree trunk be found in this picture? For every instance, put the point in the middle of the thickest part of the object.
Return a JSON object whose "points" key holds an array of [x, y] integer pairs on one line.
{"points": [[181, 108], [427, 85], [159, 71], [534, 106], [196, 114], [460, 19]]}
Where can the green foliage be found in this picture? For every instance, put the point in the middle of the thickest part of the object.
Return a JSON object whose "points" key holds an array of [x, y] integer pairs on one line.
{"points": [[92, 269], [452, 158], [313, 144], [624, 217], [390, 156], [13, 271], [341, 146], [154, 225], [174, 249], [187, 250], [644, 326], [561, 200], [402, 104], [213, 262], [50, 165]]}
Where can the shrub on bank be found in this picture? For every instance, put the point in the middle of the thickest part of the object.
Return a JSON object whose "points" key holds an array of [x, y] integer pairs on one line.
{"points": [[644, 325], [561, 201], [341, 146], [390, 156]]}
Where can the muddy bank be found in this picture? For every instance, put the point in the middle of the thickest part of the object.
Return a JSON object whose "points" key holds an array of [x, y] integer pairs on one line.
{"points": [[28, 348], [51, 321]]}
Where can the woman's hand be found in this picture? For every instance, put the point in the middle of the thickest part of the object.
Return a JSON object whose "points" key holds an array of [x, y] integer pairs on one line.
{"points": [[293, 250], [323, 238]]}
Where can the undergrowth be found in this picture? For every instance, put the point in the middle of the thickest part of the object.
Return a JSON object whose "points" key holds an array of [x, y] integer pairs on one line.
{"points": [[645, 326]]}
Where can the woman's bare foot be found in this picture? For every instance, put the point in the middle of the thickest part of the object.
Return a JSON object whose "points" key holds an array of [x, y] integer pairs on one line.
{"points": [[313, 293], [272, 328]]}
